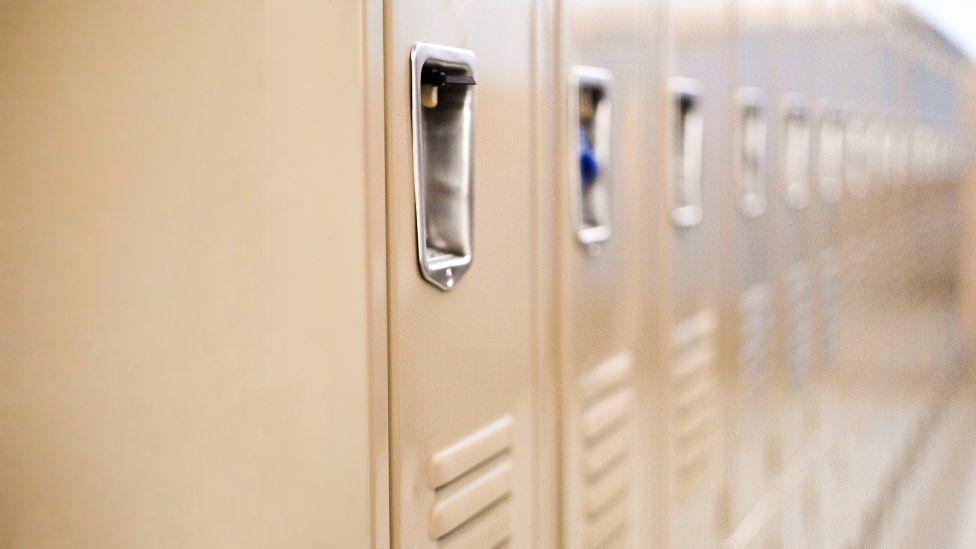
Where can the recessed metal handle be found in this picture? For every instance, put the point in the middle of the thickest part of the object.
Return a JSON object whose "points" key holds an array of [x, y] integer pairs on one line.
{"points": [[830, 153], [442, 100], [855, 153], [797, 158], [751, 148], [687, 152], [590, 95]]}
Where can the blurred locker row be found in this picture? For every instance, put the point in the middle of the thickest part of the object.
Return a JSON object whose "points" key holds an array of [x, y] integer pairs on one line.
{"points": [[687, 270], [454, 274]]}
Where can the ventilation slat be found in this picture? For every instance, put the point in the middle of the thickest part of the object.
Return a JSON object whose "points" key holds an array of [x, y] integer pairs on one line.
{"points": [[607, 525], [692, 360], [464, 504], [606, 414], [606, 442], [608, 451], [694, 425], [612, 373], [609, 487], [687, 331], [693, 395], [464, 455], [755, 325], [486, 531]]}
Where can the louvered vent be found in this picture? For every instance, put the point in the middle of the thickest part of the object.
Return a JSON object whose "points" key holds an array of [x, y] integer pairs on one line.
{"points": [[799, 315], [754, 332], [607, 430], [472, 480], [693, 400], [831, 294]]}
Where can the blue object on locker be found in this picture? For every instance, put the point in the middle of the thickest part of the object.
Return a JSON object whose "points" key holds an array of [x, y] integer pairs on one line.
{"points": [[589, 169]]}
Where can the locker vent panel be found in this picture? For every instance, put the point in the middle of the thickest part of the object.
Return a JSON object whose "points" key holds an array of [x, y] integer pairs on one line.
{"points": [[799, 316], [754, 330], [831, 293], [693, 395], [472, 482], [607, 430]]}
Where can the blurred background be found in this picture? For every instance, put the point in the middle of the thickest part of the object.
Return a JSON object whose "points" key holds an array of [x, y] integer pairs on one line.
{"points": [[953, 18]]}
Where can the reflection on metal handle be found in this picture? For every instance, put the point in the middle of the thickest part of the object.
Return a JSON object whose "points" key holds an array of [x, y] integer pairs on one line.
{"points": [[443, 83], [751, 146], [797, 144], [830, 152], [687, 145], [590, 91]]}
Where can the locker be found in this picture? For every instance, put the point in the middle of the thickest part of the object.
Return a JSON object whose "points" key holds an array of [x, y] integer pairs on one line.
{"points": [[790, 208], [853, 221], [895, 279], [699, 507], [569, 273], [827, 184], [861, 257], [837, 284], [605, 239], [749, 288], [461, 246], [186, 274], [793, 197]]}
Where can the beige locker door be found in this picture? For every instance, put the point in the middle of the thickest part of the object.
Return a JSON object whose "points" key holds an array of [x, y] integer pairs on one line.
{"points": [[185, 280], [605, 283], [829, 178], [462, 361], [844, 518], [748, 290], [793, 207], [826, 192], [755, 452], [700, 190]]}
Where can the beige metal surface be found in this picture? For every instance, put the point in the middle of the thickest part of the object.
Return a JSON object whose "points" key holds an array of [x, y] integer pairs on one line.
{"points": [[752, 436], [609, 402], [215, 331], [699, 364], [182, 200], [463, 360]]}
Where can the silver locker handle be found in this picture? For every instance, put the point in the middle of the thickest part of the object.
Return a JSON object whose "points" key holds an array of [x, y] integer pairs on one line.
{"points": [[442, 101], [830, 153], [687, 152], [796, 125], [751, 147], [590, 120]]}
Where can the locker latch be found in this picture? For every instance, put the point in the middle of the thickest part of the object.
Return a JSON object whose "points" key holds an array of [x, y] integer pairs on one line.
{"points": [[797, 157], [442, 97], [590, 119], [687, 151], [830, 152], [751, 151]]}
